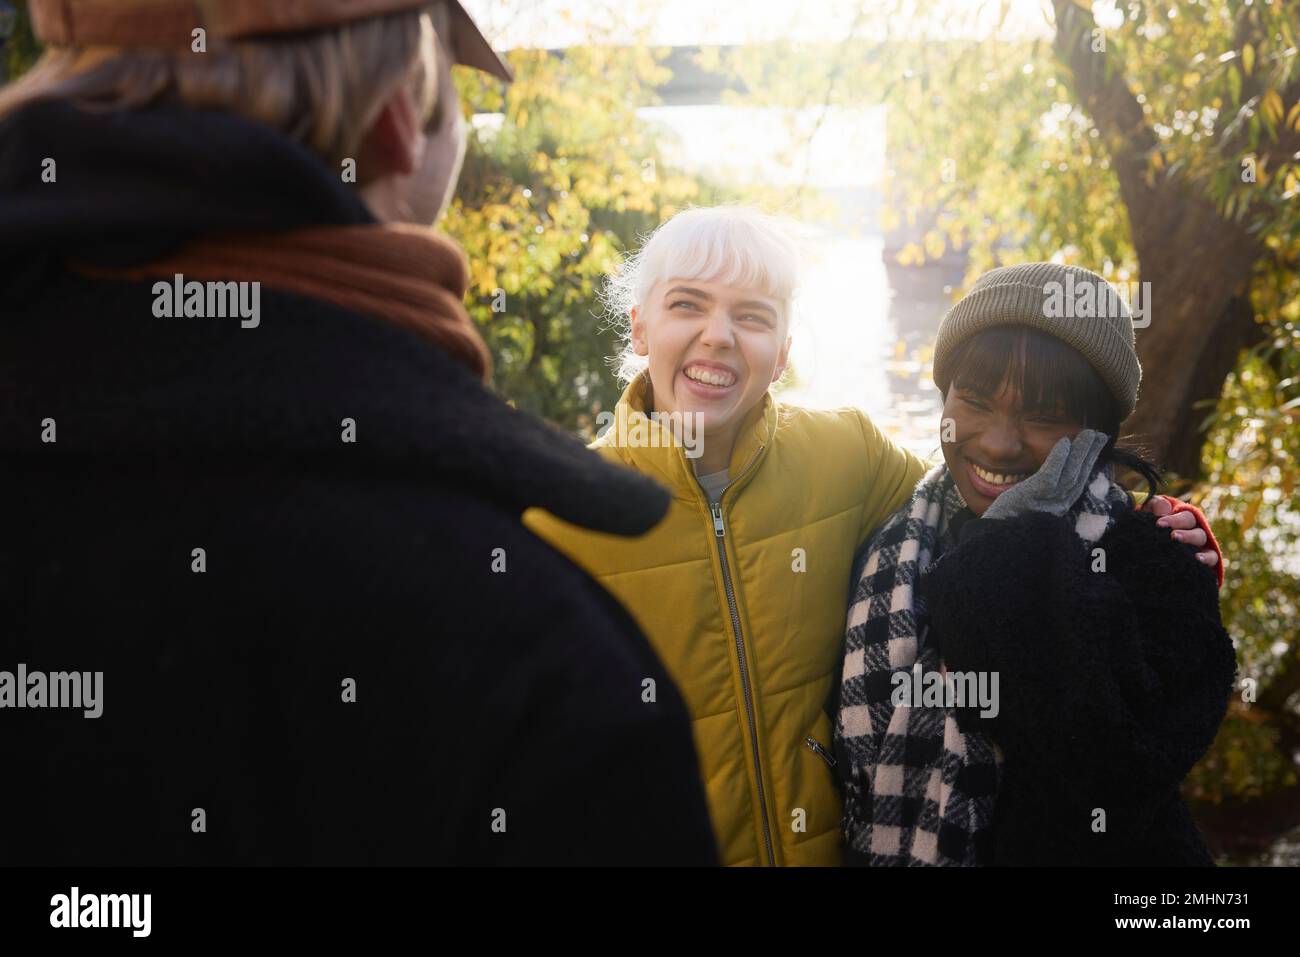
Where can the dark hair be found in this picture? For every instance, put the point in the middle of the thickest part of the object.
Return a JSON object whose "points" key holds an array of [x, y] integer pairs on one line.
{"points": [[1052, 378]]}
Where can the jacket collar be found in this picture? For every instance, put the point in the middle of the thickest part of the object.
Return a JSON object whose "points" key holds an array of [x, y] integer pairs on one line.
{"points": [[133, 185], [649, 444], [133, 389], [137, 393]]}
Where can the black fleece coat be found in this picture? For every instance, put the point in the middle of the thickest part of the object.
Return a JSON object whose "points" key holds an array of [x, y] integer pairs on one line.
{"points": [[1112, 683], [498, 715]]}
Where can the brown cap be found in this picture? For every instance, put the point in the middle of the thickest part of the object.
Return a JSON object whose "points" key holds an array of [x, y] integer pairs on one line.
{"points": [[170, 23]]}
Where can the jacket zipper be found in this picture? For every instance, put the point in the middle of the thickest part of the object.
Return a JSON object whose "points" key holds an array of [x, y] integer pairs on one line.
{"points": [[815, 745], [720, 533]]}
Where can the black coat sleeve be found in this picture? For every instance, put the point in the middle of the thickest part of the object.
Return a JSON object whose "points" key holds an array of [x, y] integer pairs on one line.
{"points": [[1112, 683]]}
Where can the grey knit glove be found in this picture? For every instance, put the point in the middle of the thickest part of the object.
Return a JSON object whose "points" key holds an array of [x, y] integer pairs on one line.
{"points": [[1058, 483]]}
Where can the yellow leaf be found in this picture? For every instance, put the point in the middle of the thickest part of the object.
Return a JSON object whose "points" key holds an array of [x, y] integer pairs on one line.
{"points": [[1293, 118], [1248, 58], [911, 255], [1272, 105], [1248, 519]]}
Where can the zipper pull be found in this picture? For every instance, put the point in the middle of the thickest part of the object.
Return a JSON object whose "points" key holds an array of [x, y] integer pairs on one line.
{"points": [[718, 530], [815, 746]]}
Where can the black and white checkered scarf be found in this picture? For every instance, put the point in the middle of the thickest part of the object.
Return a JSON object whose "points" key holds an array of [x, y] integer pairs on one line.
{"points": [[919, 791]]}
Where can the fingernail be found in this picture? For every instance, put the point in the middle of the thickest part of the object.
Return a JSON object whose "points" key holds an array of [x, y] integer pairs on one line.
{"points": [[1162, 522], [1176, 536]]}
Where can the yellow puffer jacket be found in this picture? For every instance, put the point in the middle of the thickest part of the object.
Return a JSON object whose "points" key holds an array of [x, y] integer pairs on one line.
{"points": [[746, 606]]}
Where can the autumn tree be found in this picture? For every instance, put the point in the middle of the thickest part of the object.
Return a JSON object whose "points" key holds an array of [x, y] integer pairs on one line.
{"points": [[561, 181]]}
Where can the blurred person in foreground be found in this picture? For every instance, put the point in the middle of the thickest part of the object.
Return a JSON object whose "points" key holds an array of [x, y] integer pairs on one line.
{"points": [[258, 495]]}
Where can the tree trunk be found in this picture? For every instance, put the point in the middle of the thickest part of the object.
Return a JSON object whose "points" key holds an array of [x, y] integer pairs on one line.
{"points": [[1197, 263], [1172, 428], [1200, 320]]}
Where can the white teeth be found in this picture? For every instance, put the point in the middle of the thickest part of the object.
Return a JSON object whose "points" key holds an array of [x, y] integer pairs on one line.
{"points": [[994, 478], [709, 376]]}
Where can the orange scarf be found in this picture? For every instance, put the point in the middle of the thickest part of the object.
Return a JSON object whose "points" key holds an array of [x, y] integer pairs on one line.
{"points": [[405, 274]]}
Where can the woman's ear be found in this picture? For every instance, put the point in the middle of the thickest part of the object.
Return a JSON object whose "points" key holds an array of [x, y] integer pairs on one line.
{"points": [[782, 359], [638, 333], [395, 142]]}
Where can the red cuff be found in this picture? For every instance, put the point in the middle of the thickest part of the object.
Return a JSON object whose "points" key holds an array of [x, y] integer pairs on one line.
{"points": [[1180, 506]]}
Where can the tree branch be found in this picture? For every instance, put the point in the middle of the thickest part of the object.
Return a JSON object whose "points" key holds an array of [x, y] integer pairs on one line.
{"points": [[1246, 30], [1111, 104]]}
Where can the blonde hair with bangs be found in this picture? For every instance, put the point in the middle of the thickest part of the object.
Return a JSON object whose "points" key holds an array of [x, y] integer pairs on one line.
{"points": [[732, 245]]}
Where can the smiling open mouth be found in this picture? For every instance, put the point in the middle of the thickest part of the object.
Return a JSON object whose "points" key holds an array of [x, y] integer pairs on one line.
{"points": [[714, 377], [999, 478]]}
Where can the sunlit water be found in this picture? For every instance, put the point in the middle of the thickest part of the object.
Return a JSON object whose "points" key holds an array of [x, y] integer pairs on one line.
{"points": [[846, 349]]}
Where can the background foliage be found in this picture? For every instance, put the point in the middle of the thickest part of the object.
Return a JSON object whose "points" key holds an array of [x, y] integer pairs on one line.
{"points": [[558, 186]]}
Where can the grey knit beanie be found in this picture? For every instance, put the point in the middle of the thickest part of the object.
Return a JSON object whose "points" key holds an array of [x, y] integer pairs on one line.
{"points": [[1071, 303]]}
